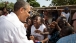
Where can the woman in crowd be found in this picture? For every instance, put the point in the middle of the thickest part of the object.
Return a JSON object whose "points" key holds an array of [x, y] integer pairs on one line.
{"points": [[54, 31]]}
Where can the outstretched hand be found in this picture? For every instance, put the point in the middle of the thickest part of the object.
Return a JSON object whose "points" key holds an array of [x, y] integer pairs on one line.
{"points": [[32, 38]]}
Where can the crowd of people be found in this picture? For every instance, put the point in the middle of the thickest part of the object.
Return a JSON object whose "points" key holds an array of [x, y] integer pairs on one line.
{"points": [[19, 27]]}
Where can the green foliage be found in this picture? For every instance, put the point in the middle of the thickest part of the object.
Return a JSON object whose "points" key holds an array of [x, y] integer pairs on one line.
{"points": [[34, 4], [9, 5], [30, 0], [2, 4], [63, 2], [43, 6]]}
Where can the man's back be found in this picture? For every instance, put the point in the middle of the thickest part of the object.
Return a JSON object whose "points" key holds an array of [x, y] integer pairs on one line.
{"points": [[68, 39]]}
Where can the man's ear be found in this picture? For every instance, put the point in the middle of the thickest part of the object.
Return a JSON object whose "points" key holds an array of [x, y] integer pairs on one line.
{"points": [[21, 10]]}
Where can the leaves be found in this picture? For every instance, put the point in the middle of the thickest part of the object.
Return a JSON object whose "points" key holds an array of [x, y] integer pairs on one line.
{"points": [[9, 5], [43, 6], [30, 0], [33, 3]]}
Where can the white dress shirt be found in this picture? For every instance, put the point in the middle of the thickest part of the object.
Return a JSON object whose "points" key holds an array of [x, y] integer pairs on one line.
{"points": [[12, 30]]}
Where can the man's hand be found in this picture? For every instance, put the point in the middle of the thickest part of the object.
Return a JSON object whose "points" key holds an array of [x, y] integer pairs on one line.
{"points": [[55, 23], [52, 25]]}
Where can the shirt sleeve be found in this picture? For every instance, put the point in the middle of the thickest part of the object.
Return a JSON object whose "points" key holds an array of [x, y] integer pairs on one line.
{"points": [[23, 37]]}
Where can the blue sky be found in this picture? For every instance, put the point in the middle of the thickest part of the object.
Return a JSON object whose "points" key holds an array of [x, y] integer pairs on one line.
{"points": [[42, 2]]}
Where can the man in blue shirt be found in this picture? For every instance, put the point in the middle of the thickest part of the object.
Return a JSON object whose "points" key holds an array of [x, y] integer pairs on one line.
{"points": [[70, 38]]}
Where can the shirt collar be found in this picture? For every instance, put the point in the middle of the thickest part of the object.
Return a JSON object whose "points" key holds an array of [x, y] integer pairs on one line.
{"points": [[13, 18]]}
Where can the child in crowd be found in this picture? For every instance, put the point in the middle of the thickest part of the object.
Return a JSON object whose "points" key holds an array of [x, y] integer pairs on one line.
{"points": [[37, 29]]}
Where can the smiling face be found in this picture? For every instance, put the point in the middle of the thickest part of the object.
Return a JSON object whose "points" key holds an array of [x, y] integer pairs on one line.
{"points": [[22, 9], [37, 20], [24, 13]]}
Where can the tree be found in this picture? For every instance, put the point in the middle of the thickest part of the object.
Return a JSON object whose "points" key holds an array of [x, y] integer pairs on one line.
{"points": [[10, 5], [34, 4], [2, 4], [63, 2], [43, 6], [30, 0]]}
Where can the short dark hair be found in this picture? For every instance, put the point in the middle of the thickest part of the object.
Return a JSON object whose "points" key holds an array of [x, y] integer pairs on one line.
{"points": [[20, 4], [69, 30], [41, 20], [66, 8]]}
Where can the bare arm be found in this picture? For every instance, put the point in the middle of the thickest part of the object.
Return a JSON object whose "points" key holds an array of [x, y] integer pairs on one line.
{"points": [[45, 33], [58, 28], [68, 24]]}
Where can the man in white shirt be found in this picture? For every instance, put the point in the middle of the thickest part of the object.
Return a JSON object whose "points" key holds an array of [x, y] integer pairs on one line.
{"points": [[12, 29], [66, 13]]}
